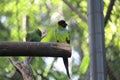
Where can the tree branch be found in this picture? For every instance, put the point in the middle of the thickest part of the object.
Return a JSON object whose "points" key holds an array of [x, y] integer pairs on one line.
{"points": [[79, 13], [109, 10], [24, 68], [35, 49]]}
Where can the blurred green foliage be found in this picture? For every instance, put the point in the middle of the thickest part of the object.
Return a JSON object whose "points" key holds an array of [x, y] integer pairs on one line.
{"points": [[44, 14]]}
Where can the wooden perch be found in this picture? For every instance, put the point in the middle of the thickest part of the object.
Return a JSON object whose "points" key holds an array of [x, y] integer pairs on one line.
{"points": [[50, 49]]}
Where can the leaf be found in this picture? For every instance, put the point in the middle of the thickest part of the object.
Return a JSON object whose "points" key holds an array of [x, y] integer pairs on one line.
{"points": [[84, 64]]}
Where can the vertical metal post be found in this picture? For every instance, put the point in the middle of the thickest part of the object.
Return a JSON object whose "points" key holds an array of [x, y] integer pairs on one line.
{"points": [[96, 37]]}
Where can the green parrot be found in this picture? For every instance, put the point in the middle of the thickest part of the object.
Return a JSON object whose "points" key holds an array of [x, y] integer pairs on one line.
{"points": [[63, 35], [34, 36]]}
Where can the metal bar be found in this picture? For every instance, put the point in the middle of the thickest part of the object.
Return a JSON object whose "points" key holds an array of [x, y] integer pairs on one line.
{"points": [[96, 37]]}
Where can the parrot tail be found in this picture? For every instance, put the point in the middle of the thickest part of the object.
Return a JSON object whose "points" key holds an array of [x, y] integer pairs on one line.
{"points": [[65, 60]]}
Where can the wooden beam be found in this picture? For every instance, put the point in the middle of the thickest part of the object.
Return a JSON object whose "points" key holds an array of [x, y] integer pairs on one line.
{"points": [[50, 49]]}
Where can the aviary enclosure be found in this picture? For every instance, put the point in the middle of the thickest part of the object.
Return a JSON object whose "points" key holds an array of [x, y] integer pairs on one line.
{"points": [[94, 50]]}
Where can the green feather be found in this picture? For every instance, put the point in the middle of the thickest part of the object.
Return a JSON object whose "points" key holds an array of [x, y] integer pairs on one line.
{"points": [[62, 35], [34, 36]]}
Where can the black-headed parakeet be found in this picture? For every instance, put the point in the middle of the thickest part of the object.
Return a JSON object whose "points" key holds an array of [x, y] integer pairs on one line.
{"points": [[63, 36]]}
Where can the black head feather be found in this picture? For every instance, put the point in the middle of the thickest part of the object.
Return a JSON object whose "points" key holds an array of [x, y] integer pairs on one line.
{"points": [[62, 23]]}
